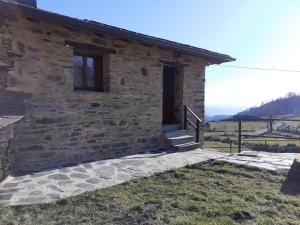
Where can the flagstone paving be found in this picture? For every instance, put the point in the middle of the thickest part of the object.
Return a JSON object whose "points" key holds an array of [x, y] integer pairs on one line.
{"points": [[264, 160], [52, 185]]}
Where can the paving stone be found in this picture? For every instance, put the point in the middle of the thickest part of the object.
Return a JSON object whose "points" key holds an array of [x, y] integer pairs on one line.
{"points": [[5, 197], [43, 181], [34, 193], [134, 162], [9, 190], [65, 183], [93, 181], [64, 170], [54, 196], [79, 175], [88, 166], [100, 163], [105, 172], [118, 165], [81, 170], [55, 188], [19, 178], [40, 174], [85, 186], [10, 185], [26, 181], [58, 177], [123, 176], [134, 169], [76, 192]]}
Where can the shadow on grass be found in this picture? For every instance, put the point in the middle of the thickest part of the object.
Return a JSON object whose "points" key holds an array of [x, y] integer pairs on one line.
{"points": [[291, 185]]}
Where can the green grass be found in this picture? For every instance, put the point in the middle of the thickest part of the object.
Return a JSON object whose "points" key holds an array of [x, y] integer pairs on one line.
{"points": [[230, 130], [222, 147], [232, 127], [272, 141], [213, 193], [293, 123]]}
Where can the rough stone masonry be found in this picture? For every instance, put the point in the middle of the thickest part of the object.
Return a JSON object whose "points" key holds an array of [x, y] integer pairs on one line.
{"points": [[6, 135], [62, 126]]}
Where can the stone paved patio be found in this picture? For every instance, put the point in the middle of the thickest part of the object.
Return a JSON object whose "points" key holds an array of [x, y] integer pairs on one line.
{"points": [[264, 160], [52, 185], [56, 184]]}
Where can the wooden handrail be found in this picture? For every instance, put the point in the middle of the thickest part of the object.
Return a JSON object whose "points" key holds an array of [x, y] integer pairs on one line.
{"points": [[193, 113], [198, 121], [190, 122]]}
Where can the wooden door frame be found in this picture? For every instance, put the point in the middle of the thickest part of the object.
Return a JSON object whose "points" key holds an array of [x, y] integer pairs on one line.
{"points": [[178, 92]]}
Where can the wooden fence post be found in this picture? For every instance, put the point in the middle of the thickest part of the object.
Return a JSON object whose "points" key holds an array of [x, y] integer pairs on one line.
{"points": [[240, 135]]}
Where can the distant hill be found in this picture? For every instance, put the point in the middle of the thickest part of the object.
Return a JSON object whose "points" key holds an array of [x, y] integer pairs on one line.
{"points": [[212, 110], [217, 117], [288, 106]]}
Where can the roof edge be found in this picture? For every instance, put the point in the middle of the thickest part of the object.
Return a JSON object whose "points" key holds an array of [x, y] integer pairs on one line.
{"points": [[210, 56]]}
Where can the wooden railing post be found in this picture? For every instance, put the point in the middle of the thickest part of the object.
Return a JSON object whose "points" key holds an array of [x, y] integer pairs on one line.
{"points": [[184, 122], [197, 131], [196, 126], [240, 136], [271, 125]]}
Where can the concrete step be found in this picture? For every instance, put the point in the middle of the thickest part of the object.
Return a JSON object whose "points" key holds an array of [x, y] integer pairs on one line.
{"points": [[187, 146], [171, 127], [182, 139], [176, 133]]}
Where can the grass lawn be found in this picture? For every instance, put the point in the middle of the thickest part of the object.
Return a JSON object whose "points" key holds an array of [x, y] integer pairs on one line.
{"points": [[222, 147], [271, 141], [232, 127], [212, 193]]}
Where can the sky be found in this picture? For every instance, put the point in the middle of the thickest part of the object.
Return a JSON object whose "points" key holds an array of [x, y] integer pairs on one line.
{"points": [[258, 33]]}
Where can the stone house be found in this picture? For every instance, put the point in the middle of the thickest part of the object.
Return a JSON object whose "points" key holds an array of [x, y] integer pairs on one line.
{"points": [[88, 91]]}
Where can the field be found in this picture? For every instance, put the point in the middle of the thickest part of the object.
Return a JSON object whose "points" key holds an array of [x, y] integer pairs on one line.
{"points": [[222, 147], [212, 193], [220, 134], [232, 127]]}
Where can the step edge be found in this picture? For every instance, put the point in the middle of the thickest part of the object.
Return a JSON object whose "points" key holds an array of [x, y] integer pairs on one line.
{"points": [[180, 137], [187, 144]]}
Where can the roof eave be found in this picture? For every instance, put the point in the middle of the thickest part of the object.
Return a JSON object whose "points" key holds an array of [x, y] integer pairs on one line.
{"points": [[211, 57]]}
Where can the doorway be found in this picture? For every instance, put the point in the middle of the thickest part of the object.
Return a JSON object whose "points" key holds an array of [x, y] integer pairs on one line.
{"points": [[169, 95]]}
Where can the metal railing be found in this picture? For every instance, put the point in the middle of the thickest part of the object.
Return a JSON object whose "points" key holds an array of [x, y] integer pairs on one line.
{"points": [[240, 138], [188, 111]]}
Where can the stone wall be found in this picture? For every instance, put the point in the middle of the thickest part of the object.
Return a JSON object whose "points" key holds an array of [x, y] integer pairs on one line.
{"points": [[6, 134], [61, 125]]}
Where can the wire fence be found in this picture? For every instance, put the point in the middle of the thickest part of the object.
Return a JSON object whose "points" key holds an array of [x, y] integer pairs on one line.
{"points": [[266, 134]]}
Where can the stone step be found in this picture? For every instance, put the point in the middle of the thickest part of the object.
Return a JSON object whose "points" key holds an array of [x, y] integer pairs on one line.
{"points": [[176, 133], [180, 140], [171, 127], [183, 139], [187, 146]]}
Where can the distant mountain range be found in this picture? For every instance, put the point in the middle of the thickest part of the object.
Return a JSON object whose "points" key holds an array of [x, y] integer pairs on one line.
{"points": [[288, 106], [227, 110], [217, 117]]}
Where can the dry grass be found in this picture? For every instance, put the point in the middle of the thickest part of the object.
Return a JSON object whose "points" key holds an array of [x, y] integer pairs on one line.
{"points": [[213, 193]]}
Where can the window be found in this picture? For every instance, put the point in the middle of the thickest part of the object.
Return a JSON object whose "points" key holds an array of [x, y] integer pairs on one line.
{"points": [[88, 72]]}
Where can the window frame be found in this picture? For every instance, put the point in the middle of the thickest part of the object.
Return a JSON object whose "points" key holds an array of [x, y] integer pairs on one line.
{"points": [[98, 64]]}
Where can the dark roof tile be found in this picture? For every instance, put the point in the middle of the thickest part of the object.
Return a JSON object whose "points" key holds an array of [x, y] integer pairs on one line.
{"points": [[212, 57]]}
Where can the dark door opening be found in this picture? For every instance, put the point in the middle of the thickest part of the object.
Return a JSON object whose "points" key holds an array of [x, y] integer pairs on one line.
{"points": [[169, 74]]}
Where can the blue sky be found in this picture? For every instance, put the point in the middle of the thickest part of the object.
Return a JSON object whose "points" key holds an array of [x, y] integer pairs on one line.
{"points": [[259, 33]]}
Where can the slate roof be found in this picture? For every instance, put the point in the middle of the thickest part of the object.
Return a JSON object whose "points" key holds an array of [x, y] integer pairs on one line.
{"points": [[210, 56]]}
